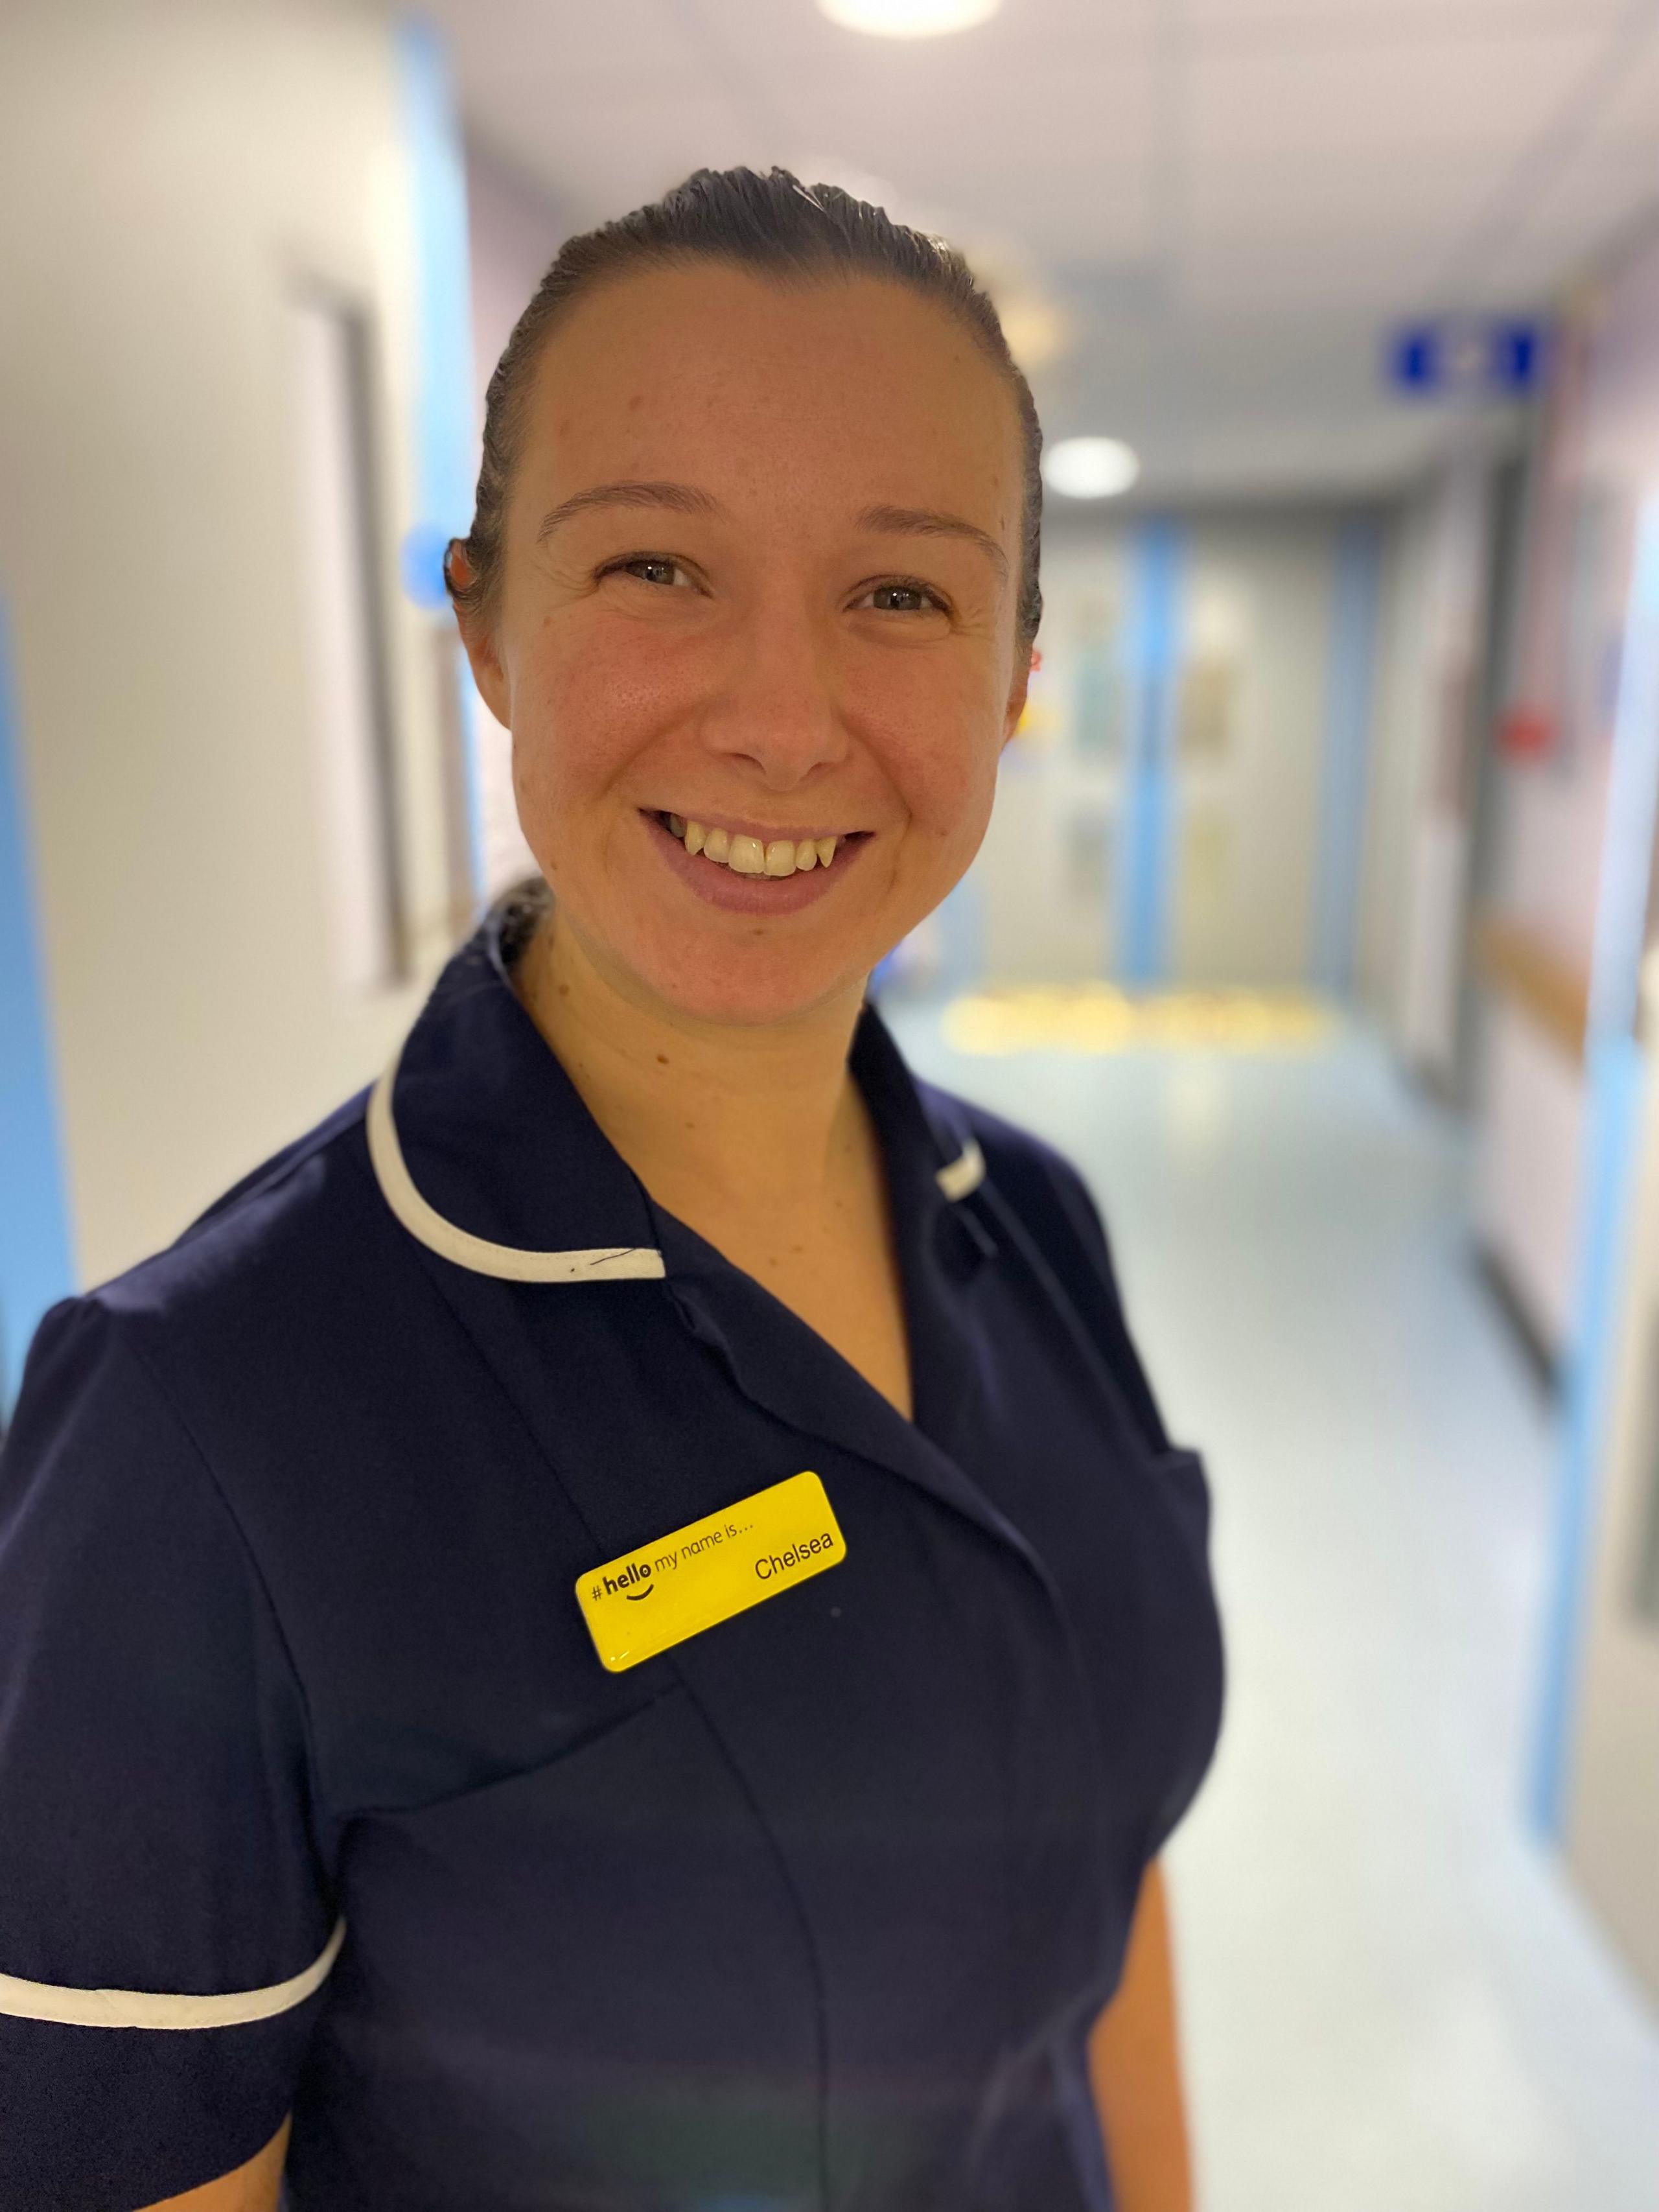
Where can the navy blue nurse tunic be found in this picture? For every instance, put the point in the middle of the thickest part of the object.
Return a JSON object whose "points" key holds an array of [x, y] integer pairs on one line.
{"points": [[313, 1794]]}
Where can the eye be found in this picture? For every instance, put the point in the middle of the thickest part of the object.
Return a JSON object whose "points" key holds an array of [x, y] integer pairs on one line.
{"points": [[659, 569], [901, 596]]}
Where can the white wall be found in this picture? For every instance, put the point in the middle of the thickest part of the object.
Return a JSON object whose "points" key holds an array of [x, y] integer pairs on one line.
{"points": [[1255, 619], [1045, 882], [172, 173], [513, 231], [1414, 906], [1399, 740], [1551, 812], [1258, 594], [1414, 945]]}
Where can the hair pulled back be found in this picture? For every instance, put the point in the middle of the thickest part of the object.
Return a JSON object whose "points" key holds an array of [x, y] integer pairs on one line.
{"points": [[781, 228]]}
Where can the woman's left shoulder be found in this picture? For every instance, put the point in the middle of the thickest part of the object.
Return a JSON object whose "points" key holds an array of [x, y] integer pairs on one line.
{"points": [[1032, 1191], [1029, 1174]]}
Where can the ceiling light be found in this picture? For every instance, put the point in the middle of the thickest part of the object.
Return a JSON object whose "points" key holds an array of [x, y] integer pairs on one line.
{"points": [[1037, 330], [1036, 327], [1090, 468], [908, 19]]}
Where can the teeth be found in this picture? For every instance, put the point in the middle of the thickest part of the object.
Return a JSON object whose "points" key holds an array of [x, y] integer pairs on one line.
{"points": [[752, 856]]}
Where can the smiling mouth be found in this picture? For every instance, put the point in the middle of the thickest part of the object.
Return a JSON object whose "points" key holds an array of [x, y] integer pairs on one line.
{"points": [[776, 856], [634, 1596]]}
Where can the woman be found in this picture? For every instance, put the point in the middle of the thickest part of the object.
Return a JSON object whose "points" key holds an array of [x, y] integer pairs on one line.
{"points": [[617, 1627]]}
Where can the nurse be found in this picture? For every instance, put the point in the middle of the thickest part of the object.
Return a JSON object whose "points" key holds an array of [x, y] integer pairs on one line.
{"points": [[617, 1627]]}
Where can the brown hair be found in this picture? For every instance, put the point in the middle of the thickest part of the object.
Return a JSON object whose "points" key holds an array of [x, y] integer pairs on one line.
{"points": [[782, 229]]}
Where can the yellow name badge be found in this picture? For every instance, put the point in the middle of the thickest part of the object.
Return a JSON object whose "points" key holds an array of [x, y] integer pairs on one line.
{"points": [[638, 1605]]}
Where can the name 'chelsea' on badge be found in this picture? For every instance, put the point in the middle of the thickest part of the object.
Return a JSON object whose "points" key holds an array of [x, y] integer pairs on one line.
{"points": [[640, 1604]]}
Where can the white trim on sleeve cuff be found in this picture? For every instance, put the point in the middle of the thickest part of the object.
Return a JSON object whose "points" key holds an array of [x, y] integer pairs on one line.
{"points": [[22, 2000]]}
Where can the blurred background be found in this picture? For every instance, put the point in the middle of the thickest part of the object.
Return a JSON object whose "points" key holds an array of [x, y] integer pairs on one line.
{"points": [[1313, 921]]}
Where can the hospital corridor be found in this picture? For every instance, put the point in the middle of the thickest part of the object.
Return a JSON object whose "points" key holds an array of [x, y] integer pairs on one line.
{"points": [[1407, 2004], [683, 687]]}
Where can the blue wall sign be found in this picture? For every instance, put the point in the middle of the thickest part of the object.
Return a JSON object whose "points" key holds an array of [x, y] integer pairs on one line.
{"points": [[1469, 357]]}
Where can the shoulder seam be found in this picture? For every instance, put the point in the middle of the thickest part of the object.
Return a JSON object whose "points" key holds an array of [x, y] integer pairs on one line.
{"points": [[269, 1175]]}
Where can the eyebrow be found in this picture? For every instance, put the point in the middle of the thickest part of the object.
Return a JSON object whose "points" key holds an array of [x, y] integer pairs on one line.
{"points": [[677, 498], [927, 522]]}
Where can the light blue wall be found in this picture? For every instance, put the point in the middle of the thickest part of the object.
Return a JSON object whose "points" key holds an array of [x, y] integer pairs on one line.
{"points": [[35, 1266], [1619, 1072], [445, 440], [445, 432], [1152, 647]]}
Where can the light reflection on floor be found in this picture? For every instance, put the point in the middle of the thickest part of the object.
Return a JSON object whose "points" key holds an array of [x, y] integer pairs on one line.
{"points": [[1395, 2001], [1099, 1017]]}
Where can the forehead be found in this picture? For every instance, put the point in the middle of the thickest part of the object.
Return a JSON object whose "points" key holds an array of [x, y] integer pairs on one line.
{"points": [[734, 380]]}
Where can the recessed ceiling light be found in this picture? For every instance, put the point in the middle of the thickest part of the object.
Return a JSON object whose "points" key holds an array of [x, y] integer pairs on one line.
{"points": [[908, 19], [1090, 468], [1037, 330]]}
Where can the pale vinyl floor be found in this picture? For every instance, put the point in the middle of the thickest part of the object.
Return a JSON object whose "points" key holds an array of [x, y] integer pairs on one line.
{"points": [[1394, 2000]]}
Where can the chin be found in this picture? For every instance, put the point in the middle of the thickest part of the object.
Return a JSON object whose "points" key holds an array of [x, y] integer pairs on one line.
{"points": [[701, 943], [753, 986]]}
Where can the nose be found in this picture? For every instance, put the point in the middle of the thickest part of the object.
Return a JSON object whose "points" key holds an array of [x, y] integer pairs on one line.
{"points": [[774, 708]]}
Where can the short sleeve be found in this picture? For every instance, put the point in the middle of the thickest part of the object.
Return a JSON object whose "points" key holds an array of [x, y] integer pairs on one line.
{"points": [[165, 1924]]}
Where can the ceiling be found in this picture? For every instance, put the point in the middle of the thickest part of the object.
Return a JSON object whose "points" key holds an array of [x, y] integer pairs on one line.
{"points": [[1226, 203]]}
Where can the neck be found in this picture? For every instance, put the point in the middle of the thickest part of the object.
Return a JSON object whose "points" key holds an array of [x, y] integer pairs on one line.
{"points": [[754, 1117]]}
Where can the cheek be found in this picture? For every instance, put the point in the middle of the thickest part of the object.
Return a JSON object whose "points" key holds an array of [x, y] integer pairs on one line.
{"points": [[938, 735], [583, 708]]}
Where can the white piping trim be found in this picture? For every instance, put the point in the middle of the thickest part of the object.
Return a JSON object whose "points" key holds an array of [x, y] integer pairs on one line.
{"points": [[21, 1999], [964, 1173], [428, 1226]]}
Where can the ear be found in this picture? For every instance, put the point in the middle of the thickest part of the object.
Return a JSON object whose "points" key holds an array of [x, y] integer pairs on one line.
{"points": [[478, 636], [1026, 663]]}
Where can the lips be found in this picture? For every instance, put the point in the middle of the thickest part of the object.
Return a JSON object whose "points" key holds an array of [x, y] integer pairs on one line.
{"points": [[750, 878], [775, 856]]}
